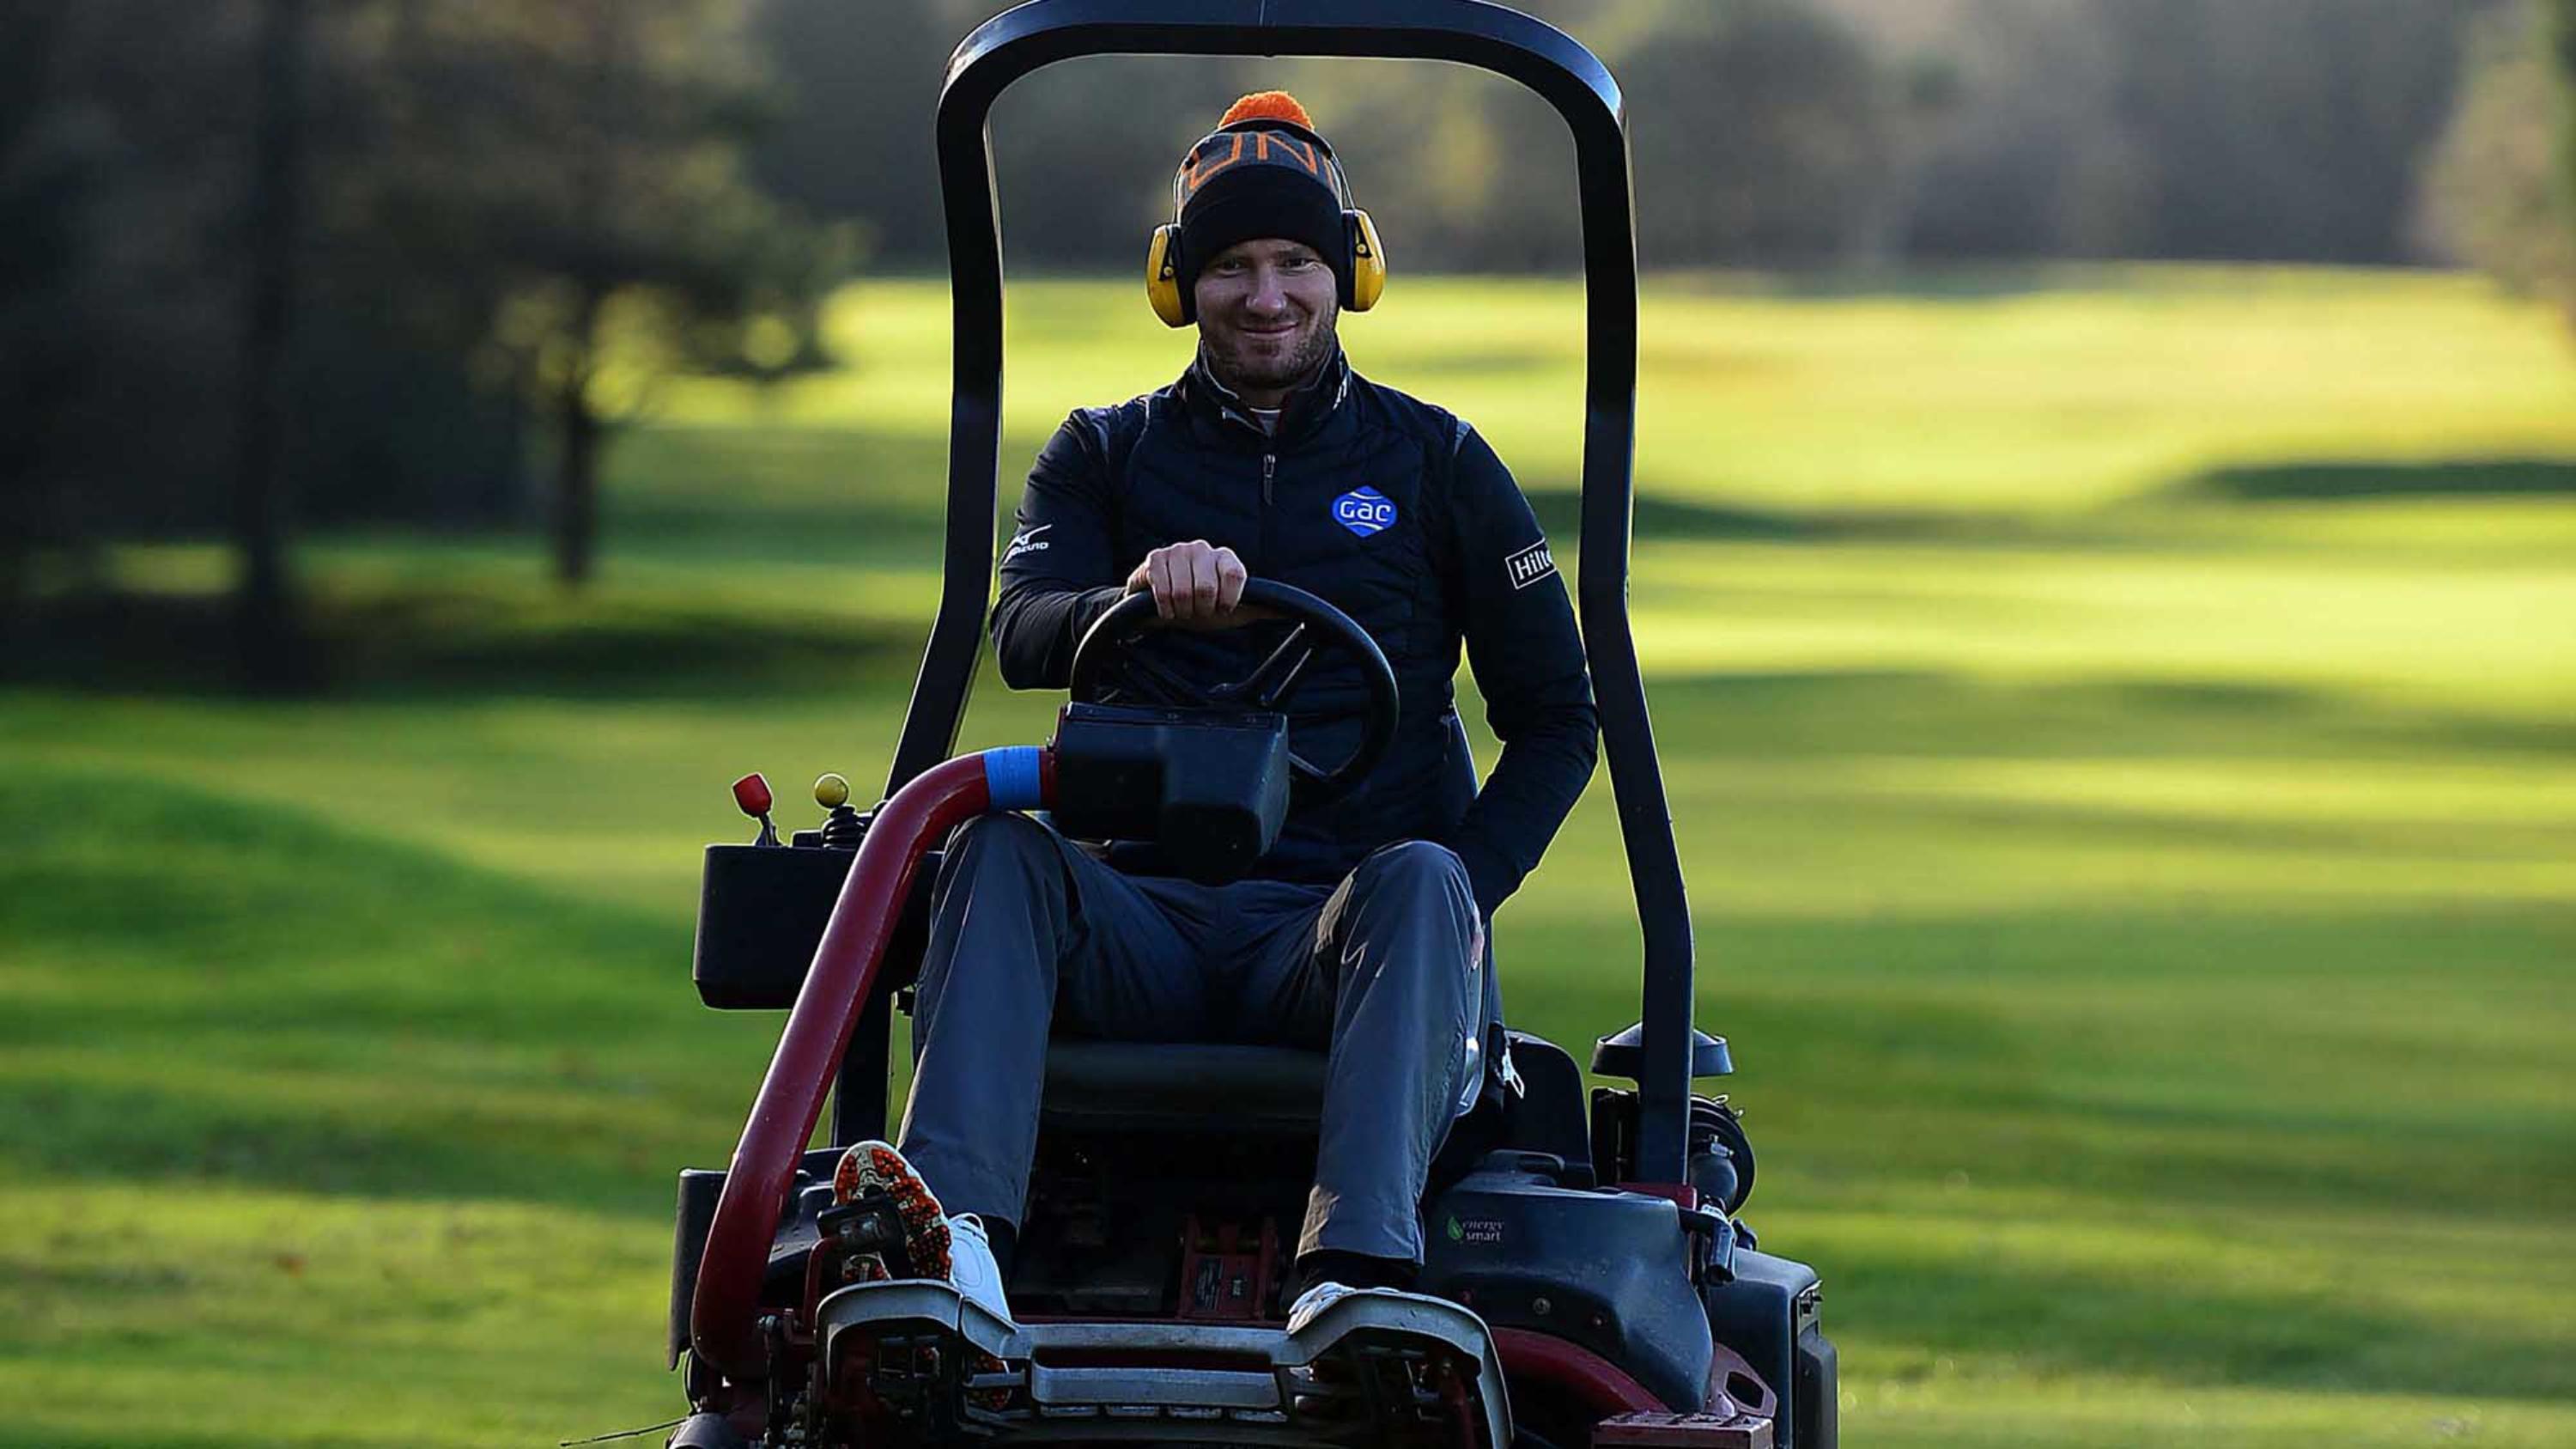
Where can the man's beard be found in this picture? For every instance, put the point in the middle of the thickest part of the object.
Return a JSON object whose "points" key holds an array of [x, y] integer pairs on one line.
{"points": [[1287, 371]]}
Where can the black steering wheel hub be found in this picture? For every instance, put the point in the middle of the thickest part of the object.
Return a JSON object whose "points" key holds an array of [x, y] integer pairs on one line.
{"points": [[1204, 771], [1111, 657]]}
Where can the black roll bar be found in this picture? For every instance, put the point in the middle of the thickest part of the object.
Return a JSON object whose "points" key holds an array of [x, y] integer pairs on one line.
{"points": [[1468, 32]]}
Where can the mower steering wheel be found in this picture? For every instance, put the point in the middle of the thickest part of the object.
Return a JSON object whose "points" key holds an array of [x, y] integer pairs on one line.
{"points": [[1107, 658]]}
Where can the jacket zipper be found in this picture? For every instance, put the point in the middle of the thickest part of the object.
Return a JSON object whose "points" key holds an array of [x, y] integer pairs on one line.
{"points": [[1269, 471]]}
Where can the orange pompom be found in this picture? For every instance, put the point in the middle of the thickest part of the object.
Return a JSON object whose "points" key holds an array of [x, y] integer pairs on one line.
{"points": [[1267, 106]]}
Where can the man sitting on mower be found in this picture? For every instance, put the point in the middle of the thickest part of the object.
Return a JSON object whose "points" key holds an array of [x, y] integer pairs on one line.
{"points": [[1362, 931]]}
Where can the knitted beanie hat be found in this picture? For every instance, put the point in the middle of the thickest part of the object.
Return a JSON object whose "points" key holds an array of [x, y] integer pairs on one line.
{"points": [[1263, 172]]}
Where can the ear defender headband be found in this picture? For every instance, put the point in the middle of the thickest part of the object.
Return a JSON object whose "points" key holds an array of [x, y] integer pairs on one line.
{"points": [[1262, 172]]}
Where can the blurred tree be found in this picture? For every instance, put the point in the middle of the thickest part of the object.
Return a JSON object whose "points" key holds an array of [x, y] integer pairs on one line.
{"points": [[510, 212], [120, 192], [558, 194], [1762, 129], [851, 137], [520, 216], [1781, 132], [2292, 129], [51, 160], [265, 639], [2501, 191], [858, 85], [2027, 148], [1760, 132], [2561, 22]]}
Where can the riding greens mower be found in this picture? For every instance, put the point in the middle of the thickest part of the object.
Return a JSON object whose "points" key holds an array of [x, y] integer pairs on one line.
{"points": [[1588, 1279]]}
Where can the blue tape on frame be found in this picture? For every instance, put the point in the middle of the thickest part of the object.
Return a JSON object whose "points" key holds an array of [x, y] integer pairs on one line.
{"points": [[1011, 778]]}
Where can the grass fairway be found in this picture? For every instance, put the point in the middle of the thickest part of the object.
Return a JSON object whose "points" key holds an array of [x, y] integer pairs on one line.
{"points": [[2119, 729]]}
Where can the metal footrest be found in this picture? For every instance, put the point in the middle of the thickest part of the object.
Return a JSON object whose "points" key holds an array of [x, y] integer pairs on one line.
{"points": [[1370, 1369], [1731, 1428]]}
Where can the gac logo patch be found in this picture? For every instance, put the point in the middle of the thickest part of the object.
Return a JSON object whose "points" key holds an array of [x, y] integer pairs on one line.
{"points": [[1529, 565], [1364, 511]]}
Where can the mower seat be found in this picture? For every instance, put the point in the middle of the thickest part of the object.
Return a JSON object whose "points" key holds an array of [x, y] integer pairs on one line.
{"points": [[1182, 1088]]}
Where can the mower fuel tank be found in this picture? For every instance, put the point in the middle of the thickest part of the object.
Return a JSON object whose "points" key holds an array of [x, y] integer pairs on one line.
{"points": [[1209, 786], [1771, 1315], [699, 1189], [1605, 1270]]}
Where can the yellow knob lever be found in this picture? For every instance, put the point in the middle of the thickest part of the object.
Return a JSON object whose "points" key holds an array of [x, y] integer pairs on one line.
{"points": [[831, 791]]}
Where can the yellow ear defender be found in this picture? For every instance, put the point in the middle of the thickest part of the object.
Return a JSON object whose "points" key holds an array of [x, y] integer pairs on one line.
{"points": [[1163, 276], [1367, 272]]}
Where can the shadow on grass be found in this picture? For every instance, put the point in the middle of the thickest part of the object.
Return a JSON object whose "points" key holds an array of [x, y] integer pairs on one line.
{"points": [[2184, 1329], [1967, 282], [1658, 518], [812, 534], [2328, 482], [1796, 713], [452, 642], [217, 990]]}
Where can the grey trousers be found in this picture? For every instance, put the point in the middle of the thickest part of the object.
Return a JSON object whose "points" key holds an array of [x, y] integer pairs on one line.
{"points": [[1029, 934]]}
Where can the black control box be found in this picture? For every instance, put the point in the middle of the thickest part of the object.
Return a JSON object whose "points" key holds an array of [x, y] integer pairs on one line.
{"points": [[1208, 786], [761, 913]]}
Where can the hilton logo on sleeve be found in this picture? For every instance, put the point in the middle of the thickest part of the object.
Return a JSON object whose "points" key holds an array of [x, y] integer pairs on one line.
{"points": [[1364, 511], [1529, 565]]}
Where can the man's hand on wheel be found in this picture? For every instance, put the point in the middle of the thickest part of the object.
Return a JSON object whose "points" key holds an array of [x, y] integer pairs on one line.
{"points": [[1196, 585]]}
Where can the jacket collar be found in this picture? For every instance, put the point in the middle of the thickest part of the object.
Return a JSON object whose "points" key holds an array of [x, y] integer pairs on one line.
{"points": [[1307, 406]]}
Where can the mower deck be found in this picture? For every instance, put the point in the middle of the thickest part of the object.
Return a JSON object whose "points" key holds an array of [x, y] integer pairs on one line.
{"points": [[1368, 1370]]}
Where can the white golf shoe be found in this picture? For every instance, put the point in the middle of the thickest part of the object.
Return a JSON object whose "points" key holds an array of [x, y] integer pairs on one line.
{"points": [[972, 1268], [1311, 1304]]}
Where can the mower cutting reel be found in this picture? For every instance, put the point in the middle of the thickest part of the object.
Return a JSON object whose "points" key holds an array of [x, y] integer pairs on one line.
{"points": [[1591, 1280]]}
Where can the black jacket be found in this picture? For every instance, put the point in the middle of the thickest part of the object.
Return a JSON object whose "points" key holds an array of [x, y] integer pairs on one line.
{"points": [[1397, 513]]}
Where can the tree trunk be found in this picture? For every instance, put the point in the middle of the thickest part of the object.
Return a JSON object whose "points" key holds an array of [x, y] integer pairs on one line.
{"points": [[578, 426], [269, 649], [2558, 33], [576, 482]]}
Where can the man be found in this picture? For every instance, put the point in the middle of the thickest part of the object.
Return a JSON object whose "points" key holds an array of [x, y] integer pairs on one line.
{"points": [[1362, 931]]}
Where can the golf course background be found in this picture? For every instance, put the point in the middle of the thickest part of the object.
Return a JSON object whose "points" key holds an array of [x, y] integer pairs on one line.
{"points": [[2120, 724]]}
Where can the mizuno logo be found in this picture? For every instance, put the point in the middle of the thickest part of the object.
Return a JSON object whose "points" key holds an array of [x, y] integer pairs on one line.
{"points": [[1026, 541]]}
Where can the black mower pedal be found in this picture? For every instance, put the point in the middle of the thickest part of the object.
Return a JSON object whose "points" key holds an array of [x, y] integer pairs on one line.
{"points": [[870, 1226]]}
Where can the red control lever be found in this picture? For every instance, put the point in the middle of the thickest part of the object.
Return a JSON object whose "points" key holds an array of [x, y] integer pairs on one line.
{"points": [[751, 796]]}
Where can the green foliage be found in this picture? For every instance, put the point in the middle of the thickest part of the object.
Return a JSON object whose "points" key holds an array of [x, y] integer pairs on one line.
{"points": [[2560, 22], [1759, 131], [586, 229], [2289, 129], [115, 296], [505, 206], [2137, 886], [48, 168], [1783, 132], [2501, 193], [496, 161]]}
